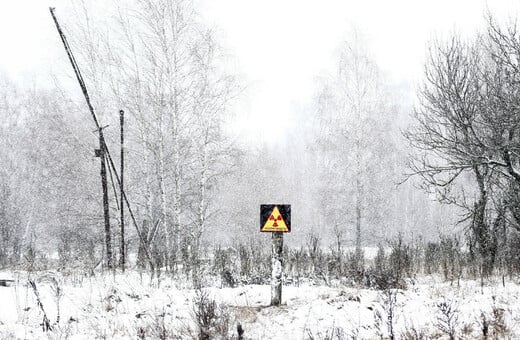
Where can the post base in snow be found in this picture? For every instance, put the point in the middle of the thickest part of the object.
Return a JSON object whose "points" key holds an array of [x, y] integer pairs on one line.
{"points": [[277, 269]]}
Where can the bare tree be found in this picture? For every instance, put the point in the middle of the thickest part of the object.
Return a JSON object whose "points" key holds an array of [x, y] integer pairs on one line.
{"points": [[502, 78], [356, 130], [160, 63], [214, 153], [462, 135]]}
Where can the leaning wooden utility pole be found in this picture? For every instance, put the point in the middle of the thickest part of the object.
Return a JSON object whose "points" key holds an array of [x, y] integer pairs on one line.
{"points": [[102, 153], [103, 145]]}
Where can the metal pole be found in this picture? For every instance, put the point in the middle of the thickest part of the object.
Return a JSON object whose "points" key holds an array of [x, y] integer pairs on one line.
{"points": [[121, 191], [276, 269]]}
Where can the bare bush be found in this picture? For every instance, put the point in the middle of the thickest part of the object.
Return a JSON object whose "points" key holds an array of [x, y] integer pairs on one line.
{"points": [[157, 328], [212, 320], [499, 326], [447, 319], [315, 252], [451, 258], [411, 332], [431, 258], [380, 260], [386, 315], [493, 325], [333, 333], [389, 303], [223, 266], [400, 259]]}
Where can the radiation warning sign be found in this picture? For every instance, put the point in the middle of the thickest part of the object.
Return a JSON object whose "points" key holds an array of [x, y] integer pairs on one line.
{"points": [[275, 218]]}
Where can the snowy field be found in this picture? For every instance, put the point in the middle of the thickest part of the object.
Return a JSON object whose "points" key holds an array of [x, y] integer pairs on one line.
{"points": [[128, 307]]}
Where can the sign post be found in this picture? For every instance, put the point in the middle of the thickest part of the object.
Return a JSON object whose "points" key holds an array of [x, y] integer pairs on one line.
{"points": [[276, 269], [276, 218]]}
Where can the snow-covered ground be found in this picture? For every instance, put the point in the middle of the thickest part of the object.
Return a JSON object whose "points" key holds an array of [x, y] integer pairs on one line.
{"points": [[128, 307]]}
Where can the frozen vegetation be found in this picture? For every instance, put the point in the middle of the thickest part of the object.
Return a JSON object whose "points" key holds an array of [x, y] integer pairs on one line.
{"points": [[129, 209], [129, 306]]}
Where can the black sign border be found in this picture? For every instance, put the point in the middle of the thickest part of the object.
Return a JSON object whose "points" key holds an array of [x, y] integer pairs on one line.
{"points": [[267, 209]]}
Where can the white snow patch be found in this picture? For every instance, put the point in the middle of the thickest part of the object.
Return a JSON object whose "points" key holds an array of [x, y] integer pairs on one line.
{"points": [[117, 307]]}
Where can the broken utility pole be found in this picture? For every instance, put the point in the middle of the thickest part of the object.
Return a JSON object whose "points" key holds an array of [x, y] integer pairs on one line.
{"points": [[103, 145]]}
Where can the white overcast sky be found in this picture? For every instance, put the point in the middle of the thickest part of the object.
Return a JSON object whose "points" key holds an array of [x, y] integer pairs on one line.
{"points": [[280, 45]]}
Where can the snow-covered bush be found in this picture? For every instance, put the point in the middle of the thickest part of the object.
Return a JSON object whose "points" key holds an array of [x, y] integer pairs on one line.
{"points": [[212, 320]]}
